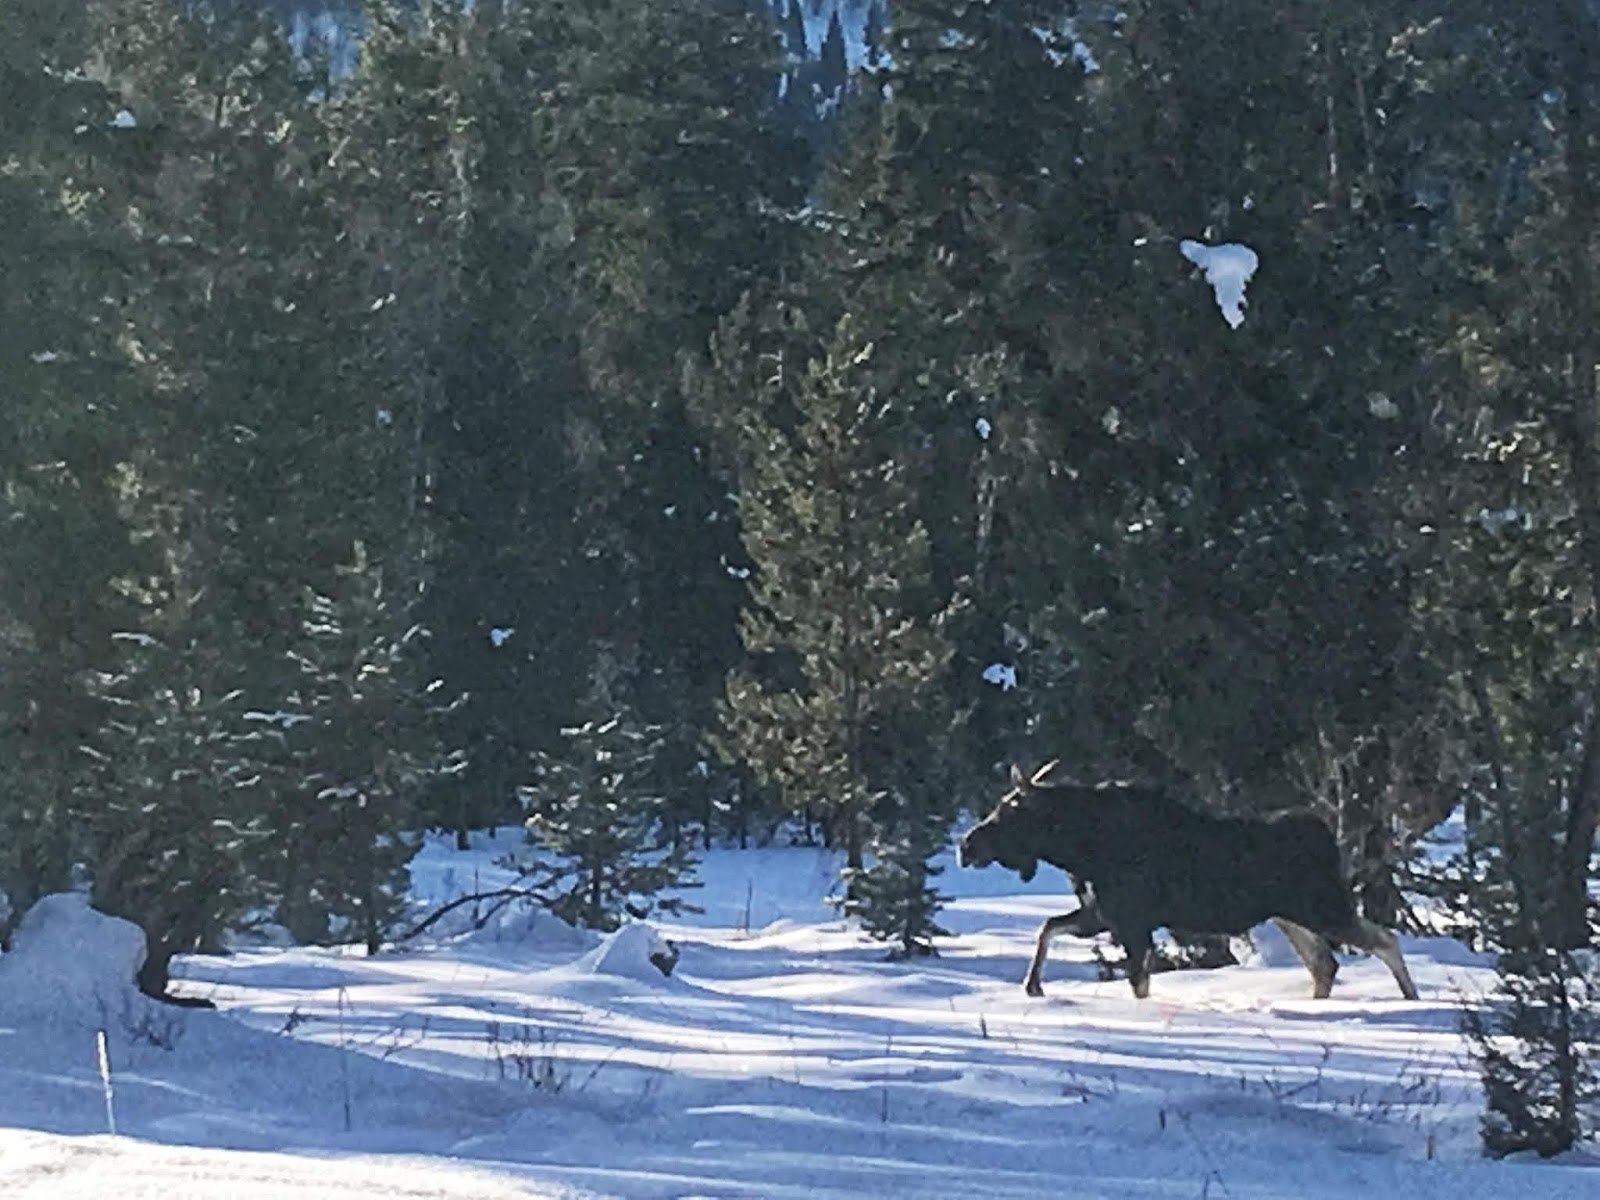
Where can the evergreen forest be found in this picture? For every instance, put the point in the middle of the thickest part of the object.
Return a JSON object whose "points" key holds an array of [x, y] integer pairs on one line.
{"points": [[628, 419]]}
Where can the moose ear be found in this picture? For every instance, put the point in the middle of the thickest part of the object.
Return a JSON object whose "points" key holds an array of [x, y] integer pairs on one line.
{"points": [[1017, 779]]}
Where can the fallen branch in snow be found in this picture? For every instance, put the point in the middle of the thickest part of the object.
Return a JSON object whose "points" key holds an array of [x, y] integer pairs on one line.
{"points": [[504, 895]]}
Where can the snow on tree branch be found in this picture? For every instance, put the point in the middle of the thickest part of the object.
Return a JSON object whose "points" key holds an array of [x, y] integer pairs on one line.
{"points": [[1228, 269]]}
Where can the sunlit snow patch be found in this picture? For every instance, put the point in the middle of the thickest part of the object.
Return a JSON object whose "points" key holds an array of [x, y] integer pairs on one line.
{"points": [[636, 951], [1228, 269], [1002, 675]]}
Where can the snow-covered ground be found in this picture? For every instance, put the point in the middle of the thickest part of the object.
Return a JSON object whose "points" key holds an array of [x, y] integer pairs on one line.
{"points": [[783, 1058]]}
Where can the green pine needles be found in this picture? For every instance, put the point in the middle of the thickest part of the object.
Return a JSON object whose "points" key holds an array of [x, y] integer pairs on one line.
{"points": [[602, 819]]}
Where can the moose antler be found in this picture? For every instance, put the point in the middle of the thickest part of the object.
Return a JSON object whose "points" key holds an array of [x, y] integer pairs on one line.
{"points": [[1042, 773]]}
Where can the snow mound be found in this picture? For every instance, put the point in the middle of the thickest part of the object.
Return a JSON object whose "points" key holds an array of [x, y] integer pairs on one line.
{"points": [[636, 951], [71, 964], [1265, 946], [524, 926], [1228, 269]]}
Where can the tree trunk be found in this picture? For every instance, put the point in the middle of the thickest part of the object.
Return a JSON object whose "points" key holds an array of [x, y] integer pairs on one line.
{"points": [[853, 858], [1577, 32], [1570, 918], [370, 926], [155, 976]]}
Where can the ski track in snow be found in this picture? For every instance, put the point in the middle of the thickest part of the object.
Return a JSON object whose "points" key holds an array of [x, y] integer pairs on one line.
{"points": [[783, 1058]]}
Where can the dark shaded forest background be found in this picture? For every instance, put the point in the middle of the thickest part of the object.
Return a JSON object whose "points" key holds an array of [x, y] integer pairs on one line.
{"points": [[644, 417]]}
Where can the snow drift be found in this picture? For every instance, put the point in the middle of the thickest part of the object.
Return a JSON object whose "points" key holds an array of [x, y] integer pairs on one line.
{"points": [[519, 925], [636, 951], [72, 965]]}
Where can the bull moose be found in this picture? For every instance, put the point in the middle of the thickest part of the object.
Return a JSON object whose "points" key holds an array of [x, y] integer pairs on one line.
{"points": [[1154, 863]]}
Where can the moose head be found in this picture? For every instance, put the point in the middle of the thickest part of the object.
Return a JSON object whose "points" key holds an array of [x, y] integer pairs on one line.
{"points": [[1009, 834]]}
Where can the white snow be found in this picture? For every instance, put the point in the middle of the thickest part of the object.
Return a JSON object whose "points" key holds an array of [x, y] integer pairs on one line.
{"points": [[1495, 520], [628, 954], [500, 635], [70, 965], [1065, 34], [983, 427], [124, 119], [281, 718], [1228, 269], [784, 1058], [40, 1166], [1002, 675]]}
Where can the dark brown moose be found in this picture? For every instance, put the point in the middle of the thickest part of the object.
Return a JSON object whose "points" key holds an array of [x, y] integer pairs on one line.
{"points": [[1154, 863]]}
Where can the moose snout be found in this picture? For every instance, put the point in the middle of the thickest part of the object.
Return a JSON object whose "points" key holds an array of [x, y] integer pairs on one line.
{"points": [[973, 849]]}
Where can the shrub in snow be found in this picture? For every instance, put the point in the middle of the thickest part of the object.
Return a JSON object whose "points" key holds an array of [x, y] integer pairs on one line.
{"points": [[69, 963], [1536, 1051]]}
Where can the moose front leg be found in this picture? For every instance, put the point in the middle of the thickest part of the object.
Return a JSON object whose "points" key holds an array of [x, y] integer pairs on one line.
{"points": [[1084, 922]]}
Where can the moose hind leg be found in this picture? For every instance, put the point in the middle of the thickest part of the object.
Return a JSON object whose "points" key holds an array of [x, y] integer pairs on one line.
{"points": [[1139, 948], [1313, 950], [1377, 940], [1081, 922]]}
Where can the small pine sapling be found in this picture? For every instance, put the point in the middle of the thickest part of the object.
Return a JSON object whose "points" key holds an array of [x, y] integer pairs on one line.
{"points": [[603, 822], [893, 895]]}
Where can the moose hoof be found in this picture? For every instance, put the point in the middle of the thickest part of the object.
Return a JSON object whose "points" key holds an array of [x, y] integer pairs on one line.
{"points": [[1033, 987]]}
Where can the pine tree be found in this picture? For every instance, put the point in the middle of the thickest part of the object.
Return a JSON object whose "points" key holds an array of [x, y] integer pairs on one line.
{"points": [[832, 68], [284, 438], [895, 897], [842, 625], [677, 206], [366, 742], [72, 178], [562, 227], [170, 806], [446, 123], [1534, 1036], [1168, 524], [602, 820], [1516, 591], [875, 35], [1535, 1052]]}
